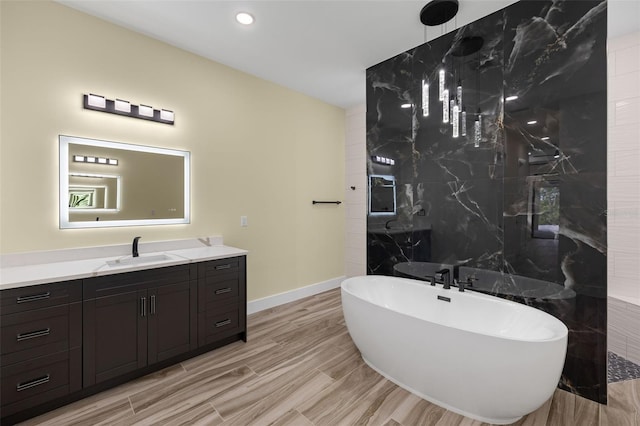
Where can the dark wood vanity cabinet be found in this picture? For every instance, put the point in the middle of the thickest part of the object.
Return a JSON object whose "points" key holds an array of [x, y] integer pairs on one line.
{"points": [[136, 319], [64, 341], [41, 352]]}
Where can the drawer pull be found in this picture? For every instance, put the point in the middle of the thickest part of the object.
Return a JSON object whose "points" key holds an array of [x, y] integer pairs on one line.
{"points": [[223, 290], [220, 267], [153, 304], [33, 298], [223, 323], [33, 334], [32, 383]]}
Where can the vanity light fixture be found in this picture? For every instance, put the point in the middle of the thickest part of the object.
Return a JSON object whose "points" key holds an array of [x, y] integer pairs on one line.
{"points": [[383, 160], [145, 110], [122, 107], [166, 115], [95, 160], [96, 101]]}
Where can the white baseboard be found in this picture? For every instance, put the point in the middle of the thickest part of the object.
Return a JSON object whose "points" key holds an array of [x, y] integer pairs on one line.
{"points": [[289, 296]]}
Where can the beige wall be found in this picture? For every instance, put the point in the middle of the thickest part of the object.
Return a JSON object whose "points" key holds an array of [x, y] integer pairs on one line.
{"points": [[258, 149]]}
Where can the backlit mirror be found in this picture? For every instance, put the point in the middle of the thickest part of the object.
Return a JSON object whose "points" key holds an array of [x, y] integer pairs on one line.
{"points": [[105, 183], [382, 195]]}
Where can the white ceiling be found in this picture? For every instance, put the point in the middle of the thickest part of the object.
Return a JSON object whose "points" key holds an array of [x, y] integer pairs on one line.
{"points": [[318, 47]]}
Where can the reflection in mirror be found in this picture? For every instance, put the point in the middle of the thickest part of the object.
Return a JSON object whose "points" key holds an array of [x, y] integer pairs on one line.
{"points": [[382, 195], [99, 193], [106, 183]]}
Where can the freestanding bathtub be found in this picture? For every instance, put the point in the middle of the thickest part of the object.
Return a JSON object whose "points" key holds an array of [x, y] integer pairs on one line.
{"points": [[477, 355]]}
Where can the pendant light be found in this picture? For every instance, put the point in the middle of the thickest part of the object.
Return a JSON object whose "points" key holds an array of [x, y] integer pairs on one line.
{"points": [[437, 12], [477, 129], [425, 97]]}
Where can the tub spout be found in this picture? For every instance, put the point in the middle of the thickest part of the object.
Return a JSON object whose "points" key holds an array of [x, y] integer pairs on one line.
{"points": [[444, 276]]}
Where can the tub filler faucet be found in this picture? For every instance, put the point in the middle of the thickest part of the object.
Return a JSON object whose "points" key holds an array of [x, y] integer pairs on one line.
{"points": [[444, 276], [134, 248]]}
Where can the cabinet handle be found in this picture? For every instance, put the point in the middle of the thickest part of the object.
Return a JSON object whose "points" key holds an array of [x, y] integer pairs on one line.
{"points": [[223, 323], [33, 298], [143, 306], [32, 383], [227, 266], [33, 334], [223, 290], [153, 304]]}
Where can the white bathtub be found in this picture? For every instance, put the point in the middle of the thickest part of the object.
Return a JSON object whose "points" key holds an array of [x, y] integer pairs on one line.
{"points": [[477, 355]]}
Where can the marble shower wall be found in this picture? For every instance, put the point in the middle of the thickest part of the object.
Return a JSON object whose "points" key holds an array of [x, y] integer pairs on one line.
{"points": [[522, 211]]}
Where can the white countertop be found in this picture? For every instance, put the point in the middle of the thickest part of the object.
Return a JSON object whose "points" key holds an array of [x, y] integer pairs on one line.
{"points": [[48, 272]]}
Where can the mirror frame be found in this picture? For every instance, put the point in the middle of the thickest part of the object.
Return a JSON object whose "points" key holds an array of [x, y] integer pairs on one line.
{"points": [[63, 200]]}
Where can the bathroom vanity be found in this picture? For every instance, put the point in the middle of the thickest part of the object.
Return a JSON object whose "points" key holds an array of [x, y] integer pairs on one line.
{"points": [[63, 340]]}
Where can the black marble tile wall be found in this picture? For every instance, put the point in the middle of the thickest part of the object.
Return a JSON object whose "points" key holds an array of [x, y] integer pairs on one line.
{"points": [[527, 198]]}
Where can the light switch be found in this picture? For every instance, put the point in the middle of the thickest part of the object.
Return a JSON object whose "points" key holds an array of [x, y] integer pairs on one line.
{"points": [[243, 221]]}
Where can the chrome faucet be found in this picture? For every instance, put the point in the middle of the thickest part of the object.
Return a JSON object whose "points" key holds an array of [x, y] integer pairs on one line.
{"points": [[444, 276], [134, 249]]}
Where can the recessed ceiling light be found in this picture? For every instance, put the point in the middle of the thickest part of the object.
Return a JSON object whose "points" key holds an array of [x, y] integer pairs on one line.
{"points": [[244, 18]]}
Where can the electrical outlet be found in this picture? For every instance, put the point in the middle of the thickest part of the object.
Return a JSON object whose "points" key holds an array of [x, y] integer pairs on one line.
{"points": [[243, 221]]}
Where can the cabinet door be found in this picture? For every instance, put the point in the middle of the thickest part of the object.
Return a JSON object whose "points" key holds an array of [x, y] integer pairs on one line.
{"points": [[172, 320], [115, 335]]}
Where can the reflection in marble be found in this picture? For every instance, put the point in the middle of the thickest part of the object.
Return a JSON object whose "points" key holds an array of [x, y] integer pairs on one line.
{"points": [[528, 201]]}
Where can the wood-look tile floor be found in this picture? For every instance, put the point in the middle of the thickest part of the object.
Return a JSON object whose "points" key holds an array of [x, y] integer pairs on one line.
{"points": [[300, 368]]}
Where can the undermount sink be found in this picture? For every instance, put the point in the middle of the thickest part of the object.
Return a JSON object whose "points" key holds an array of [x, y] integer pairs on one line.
{"points": [[138, 260]]}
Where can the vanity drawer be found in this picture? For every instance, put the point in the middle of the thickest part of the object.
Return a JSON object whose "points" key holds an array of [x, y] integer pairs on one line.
{"points": [[39, 296], [215, 325], [35, 381], [211, 293], [216, 269], [40, 332], [35, 333]]}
